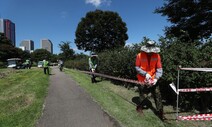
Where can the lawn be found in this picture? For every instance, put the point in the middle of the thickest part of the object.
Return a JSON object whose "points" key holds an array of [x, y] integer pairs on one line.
{"points": [[116, 100], [22, 94]]}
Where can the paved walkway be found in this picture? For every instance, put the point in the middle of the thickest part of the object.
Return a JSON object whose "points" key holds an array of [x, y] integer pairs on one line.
{"points": [[68, 105]]}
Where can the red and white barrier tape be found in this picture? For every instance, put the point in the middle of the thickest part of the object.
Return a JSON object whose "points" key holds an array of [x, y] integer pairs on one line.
{"points": [[189, 89], [197, 69], [195, 89], [196, 117]]}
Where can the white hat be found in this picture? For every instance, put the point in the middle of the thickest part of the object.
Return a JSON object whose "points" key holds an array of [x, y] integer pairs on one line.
{"points": [[150, 47]]}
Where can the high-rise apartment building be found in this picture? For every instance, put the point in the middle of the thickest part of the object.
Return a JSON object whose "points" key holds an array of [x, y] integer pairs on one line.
{"points": [[8, 28], [47, 44], [28, 45]]}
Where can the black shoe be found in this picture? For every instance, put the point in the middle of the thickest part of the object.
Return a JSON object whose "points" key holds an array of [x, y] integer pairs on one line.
{"points": [[161, 116], [95, 81]]}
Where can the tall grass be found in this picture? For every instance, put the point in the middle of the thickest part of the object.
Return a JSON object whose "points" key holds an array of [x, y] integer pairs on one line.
{"points": [[21, 97]]}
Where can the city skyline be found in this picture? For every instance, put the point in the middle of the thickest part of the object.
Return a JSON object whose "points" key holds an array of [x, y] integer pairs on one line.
{"points": [[27, 45], [59, 21], [47, 44]]}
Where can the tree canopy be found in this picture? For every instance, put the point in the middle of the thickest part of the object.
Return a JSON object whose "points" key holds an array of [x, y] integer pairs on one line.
{"points": [[67, 52], [41, 54], [7, 50], [4, 40], [190, 18], [100, 30]]}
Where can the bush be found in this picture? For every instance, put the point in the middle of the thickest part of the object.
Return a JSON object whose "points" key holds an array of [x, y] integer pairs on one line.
{"points": [[187, 55], [119, 63], [2, 65], [80, 64]]}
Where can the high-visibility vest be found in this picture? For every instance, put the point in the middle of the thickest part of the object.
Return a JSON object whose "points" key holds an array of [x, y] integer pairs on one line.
{"points": [[93, 62], [27, 62], [150, 66], [45, 63]]}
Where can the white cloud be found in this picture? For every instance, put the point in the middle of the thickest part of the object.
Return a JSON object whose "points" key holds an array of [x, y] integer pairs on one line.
{"points": [[63, 14], [97, 3], [128, 44]]}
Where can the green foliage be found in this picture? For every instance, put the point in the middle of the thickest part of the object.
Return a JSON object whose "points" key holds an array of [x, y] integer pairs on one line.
{"points": [[191, 19], [177, 53], [40, 54], [80, 62], [119, 62], [54, 58], [2, 64], [4, 40], [101, 30], [7, 50], [67, 52]]}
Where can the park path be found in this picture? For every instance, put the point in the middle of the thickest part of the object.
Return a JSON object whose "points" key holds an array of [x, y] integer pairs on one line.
{"points": [[68, 105]]}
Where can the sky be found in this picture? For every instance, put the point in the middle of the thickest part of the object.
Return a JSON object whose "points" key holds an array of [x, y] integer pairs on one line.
{"points": [[57, 20]]}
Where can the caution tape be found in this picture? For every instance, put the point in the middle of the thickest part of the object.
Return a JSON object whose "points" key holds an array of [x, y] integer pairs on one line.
{"points": [[189, 89], [195, 89], [196, 117], [197, 69]]}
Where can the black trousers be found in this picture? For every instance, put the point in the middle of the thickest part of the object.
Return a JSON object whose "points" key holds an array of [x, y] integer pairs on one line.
{"points": [[93, 77], [46, 70], [155, 91]]}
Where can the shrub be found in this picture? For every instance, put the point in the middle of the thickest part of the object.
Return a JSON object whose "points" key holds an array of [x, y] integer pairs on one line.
{"points": [[187, 55], [80, 64], [2, 65]]}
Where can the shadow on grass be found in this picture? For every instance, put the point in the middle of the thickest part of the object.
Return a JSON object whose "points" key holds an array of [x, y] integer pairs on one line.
{"points": [[147, 104]]}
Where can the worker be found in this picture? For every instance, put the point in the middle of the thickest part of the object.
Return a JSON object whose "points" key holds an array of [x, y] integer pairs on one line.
{"points": [[60, 63], [27, 64], [93, 63], [46, 67], [149, 71]]}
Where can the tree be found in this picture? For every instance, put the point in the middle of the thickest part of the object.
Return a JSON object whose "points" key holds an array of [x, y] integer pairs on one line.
{"points": [[67, 52], [101, 30], [7, 50], [41, 54], [4, 40], [54, 58], [191, 19]]}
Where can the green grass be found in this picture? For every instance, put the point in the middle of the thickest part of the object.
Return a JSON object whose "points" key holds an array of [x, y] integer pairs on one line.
{"points": [[22, 96], [116, 101]]}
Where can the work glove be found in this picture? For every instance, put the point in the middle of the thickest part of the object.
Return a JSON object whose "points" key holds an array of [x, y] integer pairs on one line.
{"points": [[148, 77], [154, 81], [93, 70]]}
